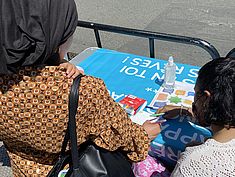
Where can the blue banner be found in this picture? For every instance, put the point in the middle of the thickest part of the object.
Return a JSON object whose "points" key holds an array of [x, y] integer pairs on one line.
{"points": [[126, 74]]}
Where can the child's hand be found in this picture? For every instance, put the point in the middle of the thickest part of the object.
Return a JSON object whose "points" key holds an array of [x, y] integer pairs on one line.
{"points": [[71, 70], [152, 129]]}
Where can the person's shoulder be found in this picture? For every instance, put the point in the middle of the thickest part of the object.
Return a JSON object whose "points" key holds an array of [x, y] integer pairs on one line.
{"points": [[210, 145], [92, 82], [92, 79], [93, 87], [199, 146], [205, 156], [195, 148]]}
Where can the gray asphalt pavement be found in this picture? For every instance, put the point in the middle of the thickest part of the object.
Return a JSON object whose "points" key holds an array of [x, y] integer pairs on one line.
{"points": [[211, 20]]}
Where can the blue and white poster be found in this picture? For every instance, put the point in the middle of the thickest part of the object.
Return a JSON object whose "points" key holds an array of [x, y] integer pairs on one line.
{"points": [[126, 74]]}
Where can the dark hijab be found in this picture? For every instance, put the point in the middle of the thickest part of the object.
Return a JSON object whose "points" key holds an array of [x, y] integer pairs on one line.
{"points": [[32, 31]]}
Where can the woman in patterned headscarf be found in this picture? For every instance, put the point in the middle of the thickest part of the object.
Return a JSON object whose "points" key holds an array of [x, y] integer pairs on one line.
{"points": [[34, 94]]}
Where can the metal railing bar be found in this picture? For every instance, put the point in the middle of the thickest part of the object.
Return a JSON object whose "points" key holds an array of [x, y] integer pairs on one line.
{"points": [[151, 48], [153, 35], [97, 36]]}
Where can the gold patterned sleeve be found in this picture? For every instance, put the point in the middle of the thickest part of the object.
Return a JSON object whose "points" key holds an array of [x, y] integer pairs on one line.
{"points": [[100, 117]]}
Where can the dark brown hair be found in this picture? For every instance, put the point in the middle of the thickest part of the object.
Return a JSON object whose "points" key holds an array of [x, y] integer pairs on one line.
{"points": [[218, 77]]}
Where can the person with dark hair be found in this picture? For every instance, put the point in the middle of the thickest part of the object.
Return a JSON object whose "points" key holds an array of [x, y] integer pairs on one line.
{"points": [[231, 53], [34, 89], [214, 106]]}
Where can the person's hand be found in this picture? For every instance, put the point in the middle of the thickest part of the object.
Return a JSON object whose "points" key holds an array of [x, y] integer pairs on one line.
{"points": [[152, 129], [174, 111], [71, 70]]}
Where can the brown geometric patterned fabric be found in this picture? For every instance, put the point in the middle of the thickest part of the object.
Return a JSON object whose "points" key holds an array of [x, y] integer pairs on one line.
{"points": [[34, 116]]}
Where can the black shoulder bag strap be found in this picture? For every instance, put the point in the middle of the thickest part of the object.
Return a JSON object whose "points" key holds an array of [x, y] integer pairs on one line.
{"points": [[73, 104], [70, 133]]}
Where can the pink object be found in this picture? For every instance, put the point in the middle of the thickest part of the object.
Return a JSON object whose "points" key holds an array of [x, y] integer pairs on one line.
{"points": [[150, 167]]}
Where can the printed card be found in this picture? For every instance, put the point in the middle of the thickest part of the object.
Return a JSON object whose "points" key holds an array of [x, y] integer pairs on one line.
{"points": [[182, 94]]}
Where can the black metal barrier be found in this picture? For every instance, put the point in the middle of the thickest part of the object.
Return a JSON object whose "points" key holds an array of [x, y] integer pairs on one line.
{"points": [[152, 36]]}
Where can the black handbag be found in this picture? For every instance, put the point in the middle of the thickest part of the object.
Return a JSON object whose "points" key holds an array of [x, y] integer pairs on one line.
{"points": [[88, 160]]}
